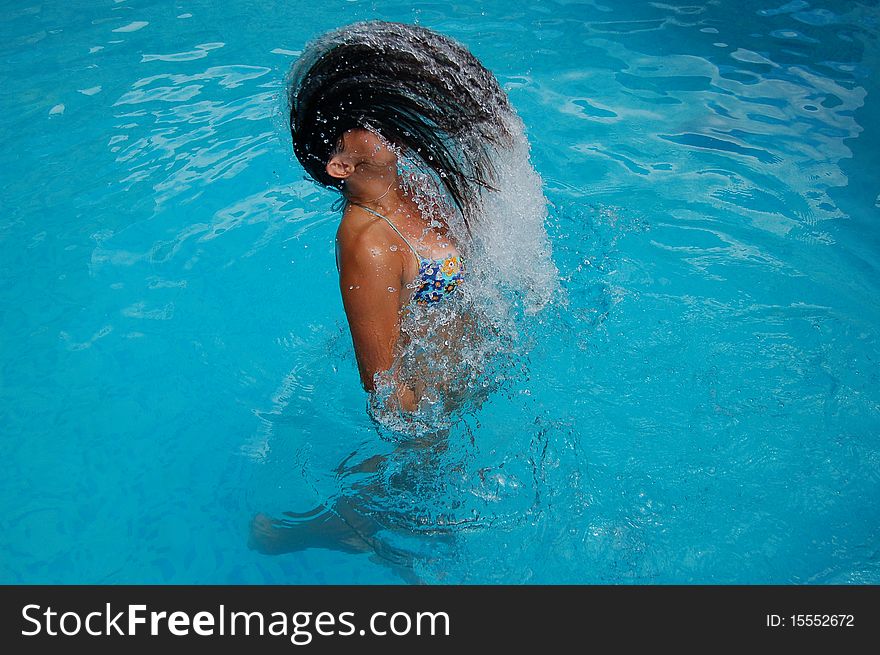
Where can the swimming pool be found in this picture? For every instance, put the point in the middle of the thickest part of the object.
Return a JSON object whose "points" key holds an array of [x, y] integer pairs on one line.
{"points": [[699, 404]]}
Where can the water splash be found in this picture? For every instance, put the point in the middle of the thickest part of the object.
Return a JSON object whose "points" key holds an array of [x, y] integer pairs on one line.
{"points": [[490, 200], [457, 352]]}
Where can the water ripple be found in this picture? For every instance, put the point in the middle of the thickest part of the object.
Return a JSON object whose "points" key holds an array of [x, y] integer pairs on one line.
{"points": [[200, 51]]}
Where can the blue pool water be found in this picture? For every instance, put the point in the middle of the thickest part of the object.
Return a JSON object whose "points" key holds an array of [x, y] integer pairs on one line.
{"points": [[700, 403]]}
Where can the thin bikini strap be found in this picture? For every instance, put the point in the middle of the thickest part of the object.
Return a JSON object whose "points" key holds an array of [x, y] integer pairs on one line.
{"points": [[405, 240]]}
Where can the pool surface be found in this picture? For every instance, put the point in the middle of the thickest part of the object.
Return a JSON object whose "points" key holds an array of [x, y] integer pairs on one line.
{"points": [[700, 402]]}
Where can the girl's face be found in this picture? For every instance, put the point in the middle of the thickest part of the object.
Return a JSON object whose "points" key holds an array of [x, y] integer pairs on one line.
{"points": [[366, 148], [363, 156]]}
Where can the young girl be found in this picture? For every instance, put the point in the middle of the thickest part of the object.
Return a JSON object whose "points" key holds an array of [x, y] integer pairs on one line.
{"points": [[367, 102], [408, 126]]}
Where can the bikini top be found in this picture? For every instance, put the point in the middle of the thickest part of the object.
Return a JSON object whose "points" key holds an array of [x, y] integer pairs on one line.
{"points": [[437, 278]]}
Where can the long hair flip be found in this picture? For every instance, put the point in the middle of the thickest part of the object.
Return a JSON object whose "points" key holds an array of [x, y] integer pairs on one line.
{"points": [[420, 90]]}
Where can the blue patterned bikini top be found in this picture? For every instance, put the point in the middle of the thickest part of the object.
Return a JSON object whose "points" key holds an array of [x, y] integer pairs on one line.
{"points": [[437, 278]]}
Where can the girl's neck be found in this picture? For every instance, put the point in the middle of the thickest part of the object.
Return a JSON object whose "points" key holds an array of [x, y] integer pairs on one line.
{"points": [[385, 201]]}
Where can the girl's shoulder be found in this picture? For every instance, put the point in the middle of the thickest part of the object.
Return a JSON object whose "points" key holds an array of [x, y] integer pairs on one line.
{"points": [[362, 235]]}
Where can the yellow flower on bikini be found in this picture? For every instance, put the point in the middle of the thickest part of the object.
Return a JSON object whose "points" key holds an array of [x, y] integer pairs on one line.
{"points": [[450, 265]]}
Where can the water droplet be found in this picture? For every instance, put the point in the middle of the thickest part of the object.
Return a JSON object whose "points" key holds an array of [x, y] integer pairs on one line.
{"points": [[393, 248], [391, 289]]}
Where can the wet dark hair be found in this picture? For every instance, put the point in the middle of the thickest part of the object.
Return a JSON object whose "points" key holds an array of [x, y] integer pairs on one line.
{"points": [[420, 90]]}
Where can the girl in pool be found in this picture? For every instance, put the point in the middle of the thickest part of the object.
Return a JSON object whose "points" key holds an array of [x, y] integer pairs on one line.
{"points": [[400, 120], [405, 124]]}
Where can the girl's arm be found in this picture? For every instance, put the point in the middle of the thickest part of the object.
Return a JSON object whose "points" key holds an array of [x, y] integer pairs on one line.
{"points": [[369, 281], [373, 312]]}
